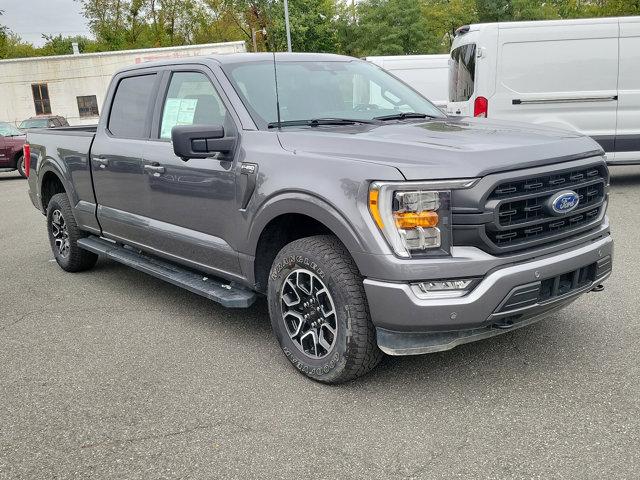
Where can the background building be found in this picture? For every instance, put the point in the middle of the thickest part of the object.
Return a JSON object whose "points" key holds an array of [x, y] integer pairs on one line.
{"points": [[74, 86]]}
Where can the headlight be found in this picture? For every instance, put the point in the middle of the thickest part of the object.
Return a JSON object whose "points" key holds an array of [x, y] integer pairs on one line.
{"points": [[415, 217]]}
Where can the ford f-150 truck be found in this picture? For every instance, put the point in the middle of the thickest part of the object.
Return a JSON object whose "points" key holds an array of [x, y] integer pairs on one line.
{"points": [[371, 221]]}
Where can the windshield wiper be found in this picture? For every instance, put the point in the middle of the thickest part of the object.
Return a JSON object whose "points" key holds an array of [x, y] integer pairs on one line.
{"points": [[403, 115], [316, 122]]}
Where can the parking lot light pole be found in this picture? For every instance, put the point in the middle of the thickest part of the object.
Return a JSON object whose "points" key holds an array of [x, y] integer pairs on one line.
{"points": [[286, 24]]}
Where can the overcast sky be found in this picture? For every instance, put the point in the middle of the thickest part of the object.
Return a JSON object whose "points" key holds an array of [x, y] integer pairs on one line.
{"points": [[31, 18]]}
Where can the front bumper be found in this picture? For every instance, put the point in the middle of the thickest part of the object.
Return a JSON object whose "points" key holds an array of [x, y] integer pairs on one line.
{"points": [[506, 298]]}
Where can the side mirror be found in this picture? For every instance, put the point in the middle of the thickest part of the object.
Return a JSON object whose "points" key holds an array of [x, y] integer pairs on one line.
{"points": [[200, 141]]}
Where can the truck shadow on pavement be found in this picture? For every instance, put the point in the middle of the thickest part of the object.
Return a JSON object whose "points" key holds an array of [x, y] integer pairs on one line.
{"points": [[9, 178], [539, 349], [628, 175]]}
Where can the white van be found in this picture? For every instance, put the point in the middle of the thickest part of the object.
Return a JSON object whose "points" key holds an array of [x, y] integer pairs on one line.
{"points": [[580, 75], [428, 74]]}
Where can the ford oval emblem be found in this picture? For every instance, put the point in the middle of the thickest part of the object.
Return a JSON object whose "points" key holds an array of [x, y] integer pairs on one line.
{"points": [[563, 202]]}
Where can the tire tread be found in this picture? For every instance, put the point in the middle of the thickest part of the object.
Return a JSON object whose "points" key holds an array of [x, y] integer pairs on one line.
{"points": [[79, 259], [364, 353]]}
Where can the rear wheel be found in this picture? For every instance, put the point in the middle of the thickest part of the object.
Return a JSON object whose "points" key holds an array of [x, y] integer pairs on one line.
{"points": [[64, 235], [20, 167], [319, 311]]}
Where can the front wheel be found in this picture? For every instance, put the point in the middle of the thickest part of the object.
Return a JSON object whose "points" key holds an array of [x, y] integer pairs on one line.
{"points": [[20, 167], [319, 311]]}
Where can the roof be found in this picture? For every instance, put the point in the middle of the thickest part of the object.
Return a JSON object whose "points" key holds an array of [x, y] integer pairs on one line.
{"points": [[231, 58], [43, 117], [542, 23]]}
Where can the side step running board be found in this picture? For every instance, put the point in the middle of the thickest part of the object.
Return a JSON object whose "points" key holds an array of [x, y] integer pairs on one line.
{"points": [[225, 293]]}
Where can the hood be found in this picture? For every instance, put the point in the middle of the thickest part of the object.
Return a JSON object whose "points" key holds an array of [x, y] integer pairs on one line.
{"points": [[443, 148]]}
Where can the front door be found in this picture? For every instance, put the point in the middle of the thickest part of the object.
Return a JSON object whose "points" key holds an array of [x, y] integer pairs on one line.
{"points": [[192, 203]]}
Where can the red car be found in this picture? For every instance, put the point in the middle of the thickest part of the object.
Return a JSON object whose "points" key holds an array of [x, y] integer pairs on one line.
{"points": [[11, 142]]}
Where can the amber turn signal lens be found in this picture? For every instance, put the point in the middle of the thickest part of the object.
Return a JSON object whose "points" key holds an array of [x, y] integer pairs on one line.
{"points": [[409, 220], [374, 207]]}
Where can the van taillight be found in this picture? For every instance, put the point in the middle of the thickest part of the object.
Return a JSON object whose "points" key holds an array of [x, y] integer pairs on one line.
{"points": [[26, 155], [480, 107]]}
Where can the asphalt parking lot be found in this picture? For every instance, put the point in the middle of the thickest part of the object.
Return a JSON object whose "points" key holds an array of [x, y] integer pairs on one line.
{"points": [[114, 374]]}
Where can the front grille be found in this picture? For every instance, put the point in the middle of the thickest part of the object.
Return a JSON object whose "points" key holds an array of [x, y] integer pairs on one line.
{"points": [[554, 288], [521, 217], [547, 183]]}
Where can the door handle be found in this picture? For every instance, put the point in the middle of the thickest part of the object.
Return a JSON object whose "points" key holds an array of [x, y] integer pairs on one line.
{"points": [[101, 161], [155, 169]]}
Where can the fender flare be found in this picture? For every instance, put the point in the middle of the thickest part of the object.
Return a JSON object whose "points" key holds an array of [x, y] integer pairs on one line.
{"points": [[49, 165], [305, 204]]}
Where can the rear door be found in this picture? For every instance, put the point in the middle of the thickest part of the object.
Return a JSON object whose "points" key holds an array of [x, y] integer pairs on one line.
{"points": [[627, 142], [192, 203], [116, 157]]}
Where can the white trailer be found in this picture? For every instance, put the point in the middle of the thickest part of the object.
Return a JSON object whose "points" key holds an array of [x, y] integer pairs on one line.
{"points": [[428, 74]]}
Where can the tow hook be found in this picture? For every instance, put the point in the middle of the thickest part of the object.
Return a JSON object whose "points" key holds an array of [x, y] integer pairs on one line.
{"points": [[505, 323], [598, 288]]}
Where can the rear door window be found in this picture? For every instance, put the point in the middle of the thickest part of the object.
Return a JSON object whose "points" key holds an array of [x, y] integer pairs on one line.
{"points": [[131, 107], [462, 73]]}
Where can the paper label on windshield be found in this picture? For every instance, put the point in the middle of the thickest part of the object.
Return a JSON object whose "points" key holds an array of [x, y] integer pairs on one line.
{"points": [[177, 111]]}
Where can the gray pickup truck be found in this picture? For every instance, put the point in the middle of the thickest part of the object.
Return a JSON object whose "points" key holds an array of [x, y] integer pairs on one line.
{"points": [[370, 220]]}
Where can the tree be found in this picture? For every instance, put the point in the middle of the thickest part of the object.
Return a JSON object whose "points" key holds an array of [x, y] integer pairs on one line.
{"points": [[443, 17], [358, 28], [391, 27]]}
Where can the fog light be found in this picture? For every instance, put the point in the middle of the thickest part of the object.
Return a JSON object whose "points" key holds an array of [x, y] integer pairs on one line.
{"points": [[444, 288]]}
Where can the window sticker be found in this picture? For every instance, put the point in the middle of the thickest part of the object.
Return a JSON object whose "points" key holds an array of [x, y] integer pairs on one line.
{"points": [[177, 111]]}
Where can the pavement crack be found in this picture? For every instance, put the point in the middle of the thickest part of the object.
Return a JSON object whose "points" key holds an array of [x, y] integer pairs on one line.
{"points": [[186, 431], [18, 320]]}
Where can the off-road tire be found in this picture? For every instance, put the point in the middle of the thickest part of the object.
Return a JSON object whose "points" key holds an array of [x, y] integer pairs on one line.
{"points": [[20, 166], [75, 259], [354, 351]]}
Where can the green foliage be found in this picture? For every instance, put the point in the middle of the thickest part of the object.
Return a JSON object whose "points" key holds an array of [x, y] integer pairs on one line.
{"points": [[358, 28], [390, 27]]}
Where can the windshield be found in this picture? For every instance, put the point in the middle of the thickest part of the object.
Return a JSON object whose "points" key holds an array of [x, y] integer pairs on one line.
{"points": [[8, 130], [309, 90], [462, 72], [34, 123]]}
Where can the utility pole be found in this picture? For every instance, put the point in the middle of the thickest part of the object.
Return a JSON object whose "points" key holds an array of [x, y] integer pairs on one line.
{"points": [[286, 24], [254, 32]]}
